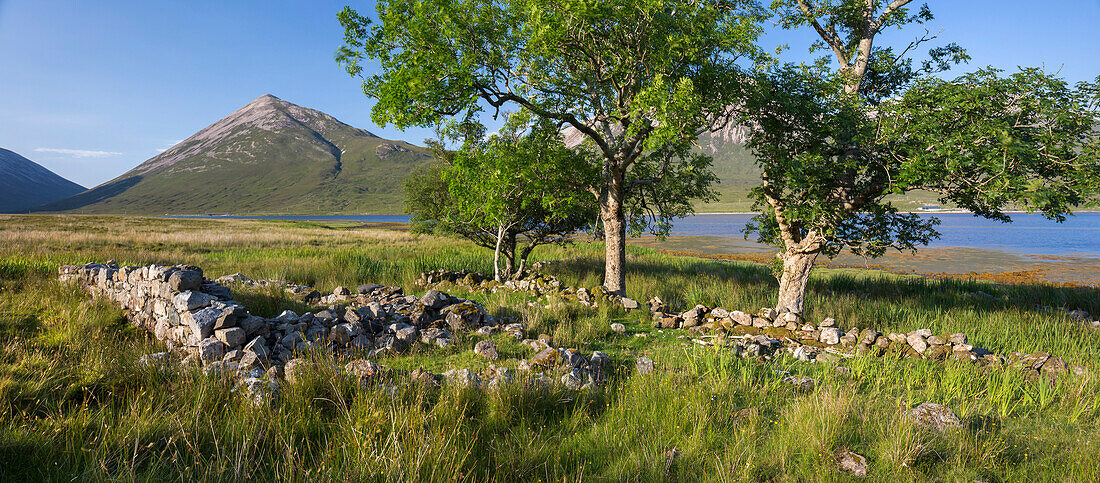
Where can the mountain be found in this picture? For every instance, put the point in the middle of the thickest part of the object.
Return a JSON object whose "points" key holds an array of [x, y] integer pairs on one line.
{"points": [[25, 184], [270, 156]]}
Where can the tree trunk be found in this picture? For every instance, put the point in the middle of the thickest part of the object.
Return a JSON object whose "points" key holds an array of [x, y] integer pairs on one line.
{"points": [[614, 228], [796, 275], [496, 253]]}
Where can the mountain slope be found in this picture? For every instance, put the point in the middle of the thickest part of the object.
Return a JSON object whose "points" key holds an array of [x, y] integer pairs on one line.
{"points": [[25, 184], [270, 156]]}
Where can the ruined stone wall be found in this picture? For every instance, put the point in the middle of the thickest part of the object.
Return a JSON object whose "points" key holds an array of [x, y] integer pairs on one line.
{"points": [[177, 304]]}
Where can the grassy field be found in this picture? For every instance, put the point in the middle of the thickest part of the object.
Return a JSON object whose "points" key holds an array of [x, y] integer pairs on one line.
{"points": [[74, 405]]}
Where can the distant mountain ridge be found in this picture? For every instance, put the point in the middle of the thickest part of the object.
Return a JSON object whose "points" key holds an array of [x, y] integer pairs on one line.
{"points": [[25, 184], [269, 156]]}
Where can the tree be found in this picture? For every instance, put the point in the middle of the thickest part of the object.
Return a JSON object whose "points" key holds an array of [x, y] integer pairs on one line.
{"points": [[637, 79], [834, 141], [509, 192]]}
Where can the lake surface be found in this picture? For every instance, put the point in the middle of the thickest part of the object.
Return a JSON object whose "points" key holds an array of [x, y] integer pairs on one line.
{"points": [[1028, 234]]}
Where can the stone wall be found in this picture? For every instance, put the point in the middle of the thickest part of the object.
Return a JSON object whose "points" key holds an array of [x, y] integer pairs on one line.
{"points": [[177, 304]]}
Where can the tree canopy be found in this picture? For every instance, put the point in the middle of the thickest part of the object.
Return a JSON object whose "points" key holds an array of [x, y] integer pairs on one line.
{"points": [[508, 192], [834, 139], [638, 79]]}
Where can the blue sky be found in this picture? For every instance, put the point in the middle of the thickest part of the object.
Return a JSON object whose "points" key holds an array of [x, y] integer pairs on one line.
{"points": [[92, 88]]}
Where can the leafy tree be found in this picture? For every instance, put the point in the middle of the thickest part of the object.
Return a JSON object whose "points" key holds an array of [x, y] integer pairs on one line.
{"points": [[638, 79], [509, 192], [835, 138]]}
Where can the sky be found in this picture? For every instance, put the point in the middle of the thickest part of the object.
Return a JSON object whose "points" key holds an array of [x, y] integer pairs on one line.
{"points": [[92, 88]]}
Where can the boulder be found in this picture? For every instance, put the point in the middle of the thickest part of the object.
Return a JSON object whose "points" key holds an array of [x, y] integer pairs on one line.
{"points": [[211, 350], [191, 300], [183, 280], [201, 322], [644, 365], [830, 335], [934, 417], [851, 463], [232, 337], [618, 328], [486, 349], [462, 377]]}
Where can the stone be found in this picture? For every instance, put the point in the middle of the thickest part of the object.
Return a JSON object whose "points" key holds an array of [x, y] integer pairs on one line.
{"points": [[768, 313], [573, 358], [183, 280], [464, 316], [220, 369], [367, 288], [201, 322], [295, 370], [828, 322], [547, 358], [191, 300], [629, 303], [434, 299], [362, 369], [424, 377], [936, 340], [428, 336], [645, 365], [830, 335], [618, 328], [211, 350], [486, 331], [341, 291], [258, 346], [287, 315], [741, 318], [934, 417], [232, 337], [408, 335], [574, 379], [916, 342], [957, 338], [851, 463], [803, 383], [462, 377], [259, 392], [486, 349], [791, 317]]}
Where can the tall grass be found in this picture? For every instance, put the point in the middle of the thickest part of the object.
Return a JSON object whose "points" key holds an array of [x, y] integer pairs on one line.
{"points": [[74, 405]]}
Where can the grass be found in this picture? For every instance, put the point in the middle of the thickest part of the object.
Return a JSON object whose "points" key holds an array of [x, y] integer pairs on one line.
{"points": [[74, 405]]}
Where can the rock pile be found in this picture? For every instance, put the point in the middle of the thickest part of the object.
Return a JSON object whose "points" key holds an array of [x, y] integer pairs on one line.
{"points": [[768, 332], [535, 283], [201, 323]]}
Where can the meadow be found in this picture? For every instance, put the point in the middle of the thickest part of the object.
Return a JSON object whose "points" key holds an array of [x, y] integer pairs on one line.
{"points": [[75, 405]]}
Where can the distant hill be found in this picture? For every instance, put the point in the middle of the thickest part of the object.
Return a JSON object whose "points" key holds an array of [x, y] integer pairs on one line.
{"points": [[25, 184], [270, 156]]}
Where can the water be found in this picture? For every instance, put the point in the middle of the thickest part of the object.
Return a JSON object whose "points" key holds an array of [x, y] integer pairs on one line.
{"points": [[1031, 234], [1027, 234]]}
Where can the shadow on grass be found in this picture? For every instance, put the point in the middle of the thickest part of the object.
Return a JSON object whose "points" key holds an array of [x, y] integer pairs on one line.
{"points": [[934, 294]]}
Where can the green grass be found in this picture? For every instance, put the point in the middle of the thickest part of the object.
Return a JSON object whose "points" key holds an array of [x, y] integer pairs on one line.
{"points": [[74, 405]]}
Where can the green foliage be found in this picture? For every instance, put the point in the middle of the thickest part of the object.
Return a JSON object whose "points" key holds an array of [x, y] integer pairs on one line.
{"points": [[834, 142], [520, 185], [636, 80]]}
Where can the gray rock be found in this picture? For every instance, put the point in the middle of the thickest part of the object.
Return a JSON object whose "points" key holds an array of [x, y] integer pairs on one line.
{"points": [[434, 299], [934, 417], [645, 365], [957, 338], [191, 300], [367, 288], [574, 380], [486, 349], [852, 463], [182, 280], [462, 377], [232, 337], [830, 335], [211, 350], [362, 368], [408, 335], [629, 303], [828, 322], [803, 383], [259, 392], [159, 359], [917, 342], [201, 322], [618, 328], [741, 318], [295, 369], [547, 358]]}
